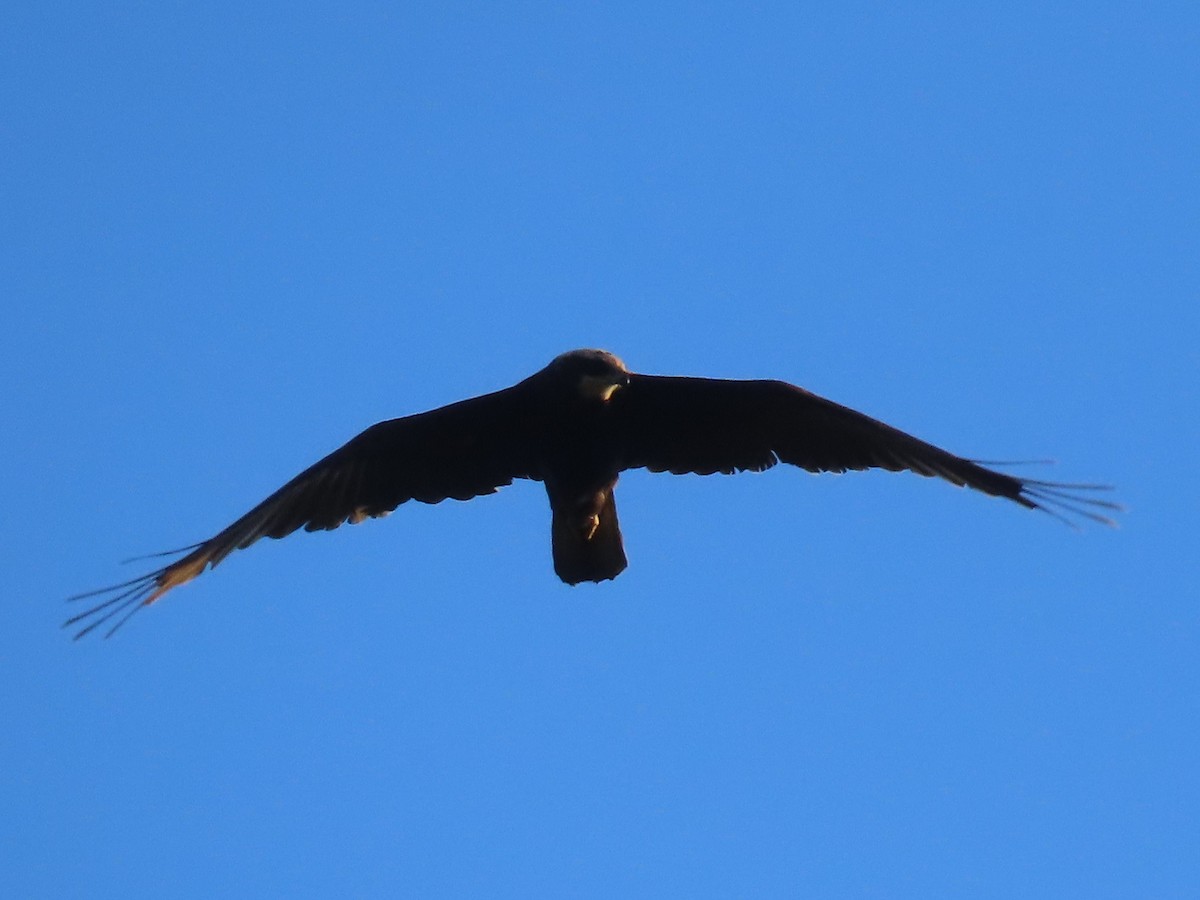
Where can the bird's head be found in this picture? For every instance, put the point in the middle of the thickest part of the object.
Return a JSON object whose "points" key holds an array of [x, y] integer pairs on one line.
{"points": [[594, 374]]}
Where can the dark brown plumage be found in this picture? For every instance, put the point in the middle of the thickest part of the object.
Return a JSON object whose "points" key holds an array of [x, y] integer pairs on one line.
{"points": [[575, 426]]}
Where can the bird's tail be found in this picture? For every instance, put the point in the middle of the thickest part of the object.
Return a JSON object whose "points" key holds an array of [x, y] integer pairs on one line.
{"points": [[588, 547]]}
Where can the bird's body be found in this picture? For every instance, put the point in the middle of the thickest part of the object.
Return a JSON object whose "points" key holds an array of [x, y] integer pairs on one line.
{"points": [[575, 426]]}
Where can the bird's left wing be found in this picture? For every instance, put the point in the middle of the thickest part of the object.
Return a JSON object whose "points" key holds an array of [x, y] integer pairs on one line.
{"points": [[704, 425], [458, 451]]}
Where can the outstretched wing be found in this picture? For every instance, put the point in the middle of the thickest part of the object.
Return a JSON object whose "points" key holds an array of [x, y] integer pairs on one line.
{"points": [[459, 451], [703, 426]]}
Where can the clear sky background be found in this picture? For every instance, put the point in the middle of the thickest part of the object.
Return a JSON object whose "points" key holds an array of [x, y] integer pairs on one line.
{"points": [[234, 236]]}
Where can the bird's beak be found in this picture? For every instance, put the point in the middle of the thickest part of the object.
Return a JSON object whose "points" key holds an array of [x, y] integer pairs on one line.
{"points": [[601, 387]]}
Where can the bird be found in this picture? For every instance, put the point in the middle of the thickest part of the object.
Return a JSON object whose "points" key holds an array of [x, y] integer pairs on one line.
{"points": [[575, 426]]}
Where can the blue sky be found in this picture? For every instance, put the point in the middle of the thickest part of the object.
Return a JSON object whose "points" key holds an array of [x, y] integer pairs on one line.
{"points": [[234, 236]]}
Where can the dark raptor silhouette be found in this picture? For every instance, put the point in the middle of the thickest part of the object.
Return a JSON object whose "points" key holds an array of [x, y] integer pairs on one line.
{"points": [[575, 426]]}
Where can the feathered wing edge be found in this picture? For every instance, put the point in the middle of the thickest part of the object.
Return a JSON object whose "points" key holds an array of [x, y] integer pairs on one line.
{"points": [[1064, 499], [704, 426], [428, 457], [132, 595], [293, 506]]}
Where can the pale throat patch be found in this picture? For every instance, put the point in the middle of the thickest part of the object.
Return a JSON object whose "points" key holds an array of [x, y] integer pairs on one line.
{"points": [[597, 386]]}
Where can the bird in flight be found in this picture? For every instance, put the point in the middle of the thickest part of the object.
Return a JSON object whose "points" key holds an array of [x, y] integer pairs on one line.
{"points": [[575, 426]]}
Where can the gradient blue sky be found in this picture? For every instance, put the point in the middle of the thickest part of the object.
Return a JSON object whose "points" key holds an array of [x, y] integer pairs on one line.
{"points": [[234, 235]]}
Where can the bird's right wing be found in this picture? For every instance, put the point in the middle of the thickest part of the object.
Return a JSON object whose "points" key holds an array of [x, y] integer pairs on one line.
{"points": [[459, 451]]}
